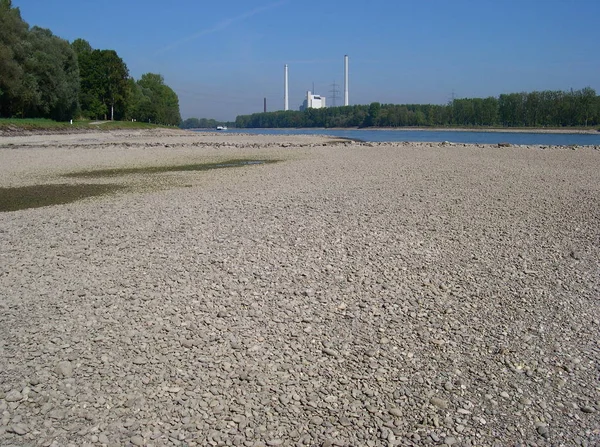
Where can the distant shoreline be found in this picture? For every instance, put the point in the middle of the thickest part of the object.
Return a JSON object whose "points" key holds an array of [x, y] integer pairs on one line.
{"points": [[491, 129], [549, 130]]}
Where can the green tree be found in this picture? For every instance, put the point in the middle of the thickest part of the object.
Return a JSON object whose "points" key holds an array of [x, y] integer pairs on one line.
{"points": [[104, 82], [13, 43], [158, 102], [372, 118], [53, 77]]}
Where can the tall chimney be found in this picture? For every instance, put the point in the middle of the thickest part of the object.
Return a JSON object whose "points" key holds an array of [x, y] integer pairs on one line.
{"points": [[285, 87], [346, 102], [265, 105]]}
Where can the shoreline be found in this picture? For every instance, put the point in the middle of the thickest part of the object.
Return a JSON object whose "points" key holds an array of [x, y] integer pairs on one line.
{"points": [[539, 130], [14, 131]]}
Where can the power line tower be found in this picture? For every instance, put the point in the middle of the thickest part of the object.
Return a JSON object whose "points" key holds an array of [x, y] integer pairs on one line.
{"points": [[335, 94]]}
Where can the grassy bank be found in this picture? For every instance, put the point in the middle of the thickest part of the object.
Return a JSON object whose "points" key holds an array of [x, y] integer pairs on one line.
{"points": [[38, 124]]}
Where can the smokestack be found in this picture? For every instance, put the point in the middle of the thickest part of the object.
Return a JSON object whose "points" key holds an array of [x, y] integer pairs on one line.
{"points": [[285, 87], [265, 105], [346, 102]]}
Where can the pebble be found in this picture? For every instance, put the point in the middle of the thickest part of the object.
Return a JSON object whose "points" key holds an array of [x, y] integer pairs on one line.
{"points": [[450, 440], [13, 396], [274, 442], [440, 403], [19, 429], [137, 440], [588, 409], [543, 431], [316, 420], [64, 369], [139, 361], [396, 412], [331, 352]]}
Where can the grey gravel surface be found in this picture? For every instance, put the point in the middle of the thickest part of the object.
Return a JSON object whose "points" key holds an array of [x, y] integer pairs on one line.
{"points": [[350, 295]]}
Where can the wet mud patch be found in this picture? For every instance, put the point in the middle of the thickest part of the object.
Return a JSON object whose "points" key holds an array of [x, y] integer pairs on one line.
{"points": [[233, 163], [36, 196]]}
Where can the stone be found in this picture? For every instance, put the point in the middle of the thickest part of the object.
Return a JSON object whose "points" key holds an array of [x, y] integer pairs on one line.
{"points": [[64, 369], [450, 440], [440, 403], [13, 396], [543, 431], [588, 409], [316, 420], [137, 440], [19, 429], [396, 412], [345, 422], [330, 352], [139, 361]]}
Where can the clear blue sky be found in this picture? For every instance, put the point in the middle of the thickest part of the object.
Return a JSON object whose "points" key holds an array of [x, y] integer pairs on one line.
{"points": [[223, 58]]}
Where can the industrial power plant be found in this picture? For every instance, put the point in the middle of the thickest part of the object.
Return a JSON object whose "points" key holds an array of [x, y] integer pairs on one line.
{"points": [[312, 100]]}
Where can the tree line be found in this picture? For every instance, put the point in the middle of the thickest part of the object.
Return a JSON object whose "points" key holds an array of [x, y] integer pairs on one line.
{"points": [[534, 109], [204, 123], [44, 76]]}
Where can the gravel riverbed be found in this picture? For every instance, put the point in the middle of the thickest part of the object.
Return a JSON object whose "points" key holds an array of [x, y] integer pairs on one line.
{"points": [[351, 294]]}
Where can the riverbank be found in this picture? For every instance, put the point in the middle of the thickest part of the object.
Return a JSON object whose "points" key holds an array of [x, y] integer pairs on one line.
{"points": [[345, 294], [574, 131], [540, 130], [37, 126]]}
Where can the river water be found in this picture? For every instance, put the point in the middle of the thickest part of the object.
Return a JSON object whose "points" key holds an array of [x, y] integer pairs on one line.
{"points": [[548, 139]]}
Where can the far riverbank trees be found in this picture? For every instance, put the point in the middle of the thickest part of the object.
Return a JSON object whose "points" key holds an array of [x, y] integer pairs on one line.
{"points": [[534, 109]]}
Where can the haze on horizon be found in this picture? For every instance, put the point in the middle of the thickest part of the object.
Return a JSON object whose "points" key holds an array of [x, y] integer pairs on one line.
{"points": [[222, 61]]}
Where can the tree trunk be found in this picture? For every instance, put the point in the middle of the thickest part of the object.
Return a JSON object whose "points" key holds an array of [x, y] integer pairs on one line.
{"points": [[112, 112]]}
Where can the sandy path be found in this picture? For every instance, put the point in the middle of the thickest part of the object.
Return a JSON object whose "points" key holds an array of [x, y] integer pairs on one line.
{"points": [[352, 295]]}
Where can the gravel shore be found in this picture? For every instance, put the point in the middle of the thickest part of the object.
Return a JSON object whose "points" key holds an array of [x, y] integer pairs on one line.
{"points": [[351, 294]]}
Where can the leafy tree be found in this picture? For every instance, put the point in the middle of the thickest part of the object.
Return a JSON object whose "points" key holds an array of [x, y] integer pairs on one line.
{"points": [[81, 46], [104, 82], [372, 118], [13, 36], [39, 75], [157, 102], [53, 77]]}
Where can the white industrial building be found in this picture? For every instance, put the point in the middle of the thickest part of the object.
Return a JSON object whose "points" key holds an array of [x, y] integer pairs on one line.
{"points": [[313, 102]]}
